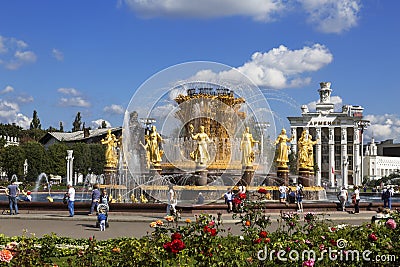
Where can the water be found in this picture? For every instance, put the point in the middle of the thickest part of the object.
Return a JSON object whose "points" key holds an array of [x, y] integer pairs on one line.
{"points": [[365, 197], [57, 197], [37, 185]]}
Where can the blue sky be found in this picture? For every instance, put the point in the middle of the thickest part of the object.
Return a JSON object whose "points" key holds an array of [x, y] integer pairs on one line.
{"points": [[61, 57]]}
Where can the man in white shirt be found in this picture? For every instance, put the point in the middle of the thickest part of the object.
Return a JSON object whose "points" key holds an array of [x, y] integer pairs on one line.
{"points": [[71, 200], [282, 193]]}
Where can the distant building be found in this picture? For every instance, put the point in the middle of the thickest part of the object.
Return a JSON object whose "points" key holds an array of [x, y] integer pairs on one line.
{"points": [[10, 140], [338, 152], [84, 136], [381, 159]]}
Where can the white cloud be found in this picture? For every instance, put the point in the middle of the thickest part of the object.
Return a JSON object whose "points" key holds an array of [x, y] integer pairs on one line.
{"points": [[14, 54], [114, 109], [57, 54], [8, 89], [261, 10], [10, 113], [25, 99], [383, 127], [68, 91], [74, 102], [332, 16], [278, 68], [329, 16], [97, 123]]}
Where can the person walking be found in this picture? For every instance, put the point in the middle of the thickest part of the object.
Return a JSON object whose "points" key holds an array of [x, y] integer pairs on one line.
{"points": [[356, 199], [387, 194], [172, 200], [343, 197], [95, 199], [12, 191], [71, 200], [229, 199], [299, 197]]}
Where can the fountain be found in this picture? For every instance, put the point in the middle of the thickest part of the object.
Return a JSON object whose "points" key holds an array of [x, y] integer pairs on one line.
{"points": [[37, 185], [14, 178], [180, 109]]}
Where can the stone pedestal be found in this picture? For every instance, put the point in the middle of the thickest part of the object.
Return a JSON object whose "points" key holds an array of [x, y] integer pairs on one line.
{"points": [[155, 171], [306, 177], [201, 177], [247, 175], [283, 173]]}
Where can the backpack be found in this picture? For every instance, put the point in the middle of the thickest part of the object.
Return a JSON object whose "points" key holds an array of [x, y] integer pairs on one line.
{"points": [[386, 194]]}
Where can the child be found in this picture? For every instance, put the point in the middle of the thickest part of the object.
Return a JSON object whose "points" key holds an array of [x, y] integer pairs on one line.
{"points": [[102, 220], [104, 197]]}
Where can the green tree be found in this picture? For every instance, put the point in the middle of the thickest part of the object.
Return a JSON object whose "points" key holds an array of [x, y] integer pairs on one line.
{"points": [[103, 124], [61, 127], [77, 123], [12, 161], [82, 158], [35, 123], [37, 160], [56, 154], [98, 160]]}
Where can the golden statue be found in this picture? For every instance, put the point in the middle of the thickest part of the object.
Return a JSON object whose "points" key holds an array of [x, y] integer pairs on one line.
{"points": [[200, 155], [283, 148], [246, 146], [111, 155], [152, 147], [305, 154]]}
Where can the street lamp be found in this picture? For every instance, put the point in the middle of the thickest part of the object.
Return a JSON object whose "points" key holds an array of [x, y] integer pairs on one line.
{"points": [[362, 125]]}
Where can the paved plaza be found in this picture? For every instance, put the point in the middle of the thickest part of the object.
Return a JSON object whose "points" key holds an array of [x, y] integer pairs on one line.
{"points": [[126, 224]]}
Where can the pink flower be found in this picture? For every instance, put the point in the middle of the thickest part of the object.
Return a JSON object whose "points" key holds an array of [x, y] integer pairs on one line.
{"points": [[6, 255], [309, 263], [391, 224]]}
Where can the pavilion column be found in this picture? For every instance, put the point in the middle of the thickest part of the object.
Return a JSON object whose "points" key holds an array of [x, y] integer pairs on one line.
{"points": [[356, 153], [70, 164], [319, 157], [344, 158], [331, 143]]}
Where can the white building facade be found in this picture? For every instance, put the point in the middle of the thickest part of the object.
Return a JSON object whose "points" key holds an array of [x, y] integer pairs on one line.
{"points": [[339, 138], [376, 167]]}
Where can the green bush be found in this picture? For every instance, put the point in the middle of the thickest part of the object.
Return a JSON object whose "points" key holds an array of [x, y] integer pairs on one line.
{"points": [[301, 240]]}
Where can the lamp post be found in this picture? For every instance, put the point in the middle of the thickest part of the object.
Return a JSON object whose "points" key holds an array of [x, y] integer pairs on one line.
{"points": [[362, 125]]}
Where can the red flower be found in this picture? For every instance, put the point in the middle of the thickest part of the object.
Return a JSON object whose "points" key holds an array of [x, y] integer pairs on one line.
{"points": [[333, 242], [372, 237], [257, 241], [213, 232], [237, 201], [262, 191], [174, 246], [263, 234], [176, 236], [267, 240], [242, 195]]}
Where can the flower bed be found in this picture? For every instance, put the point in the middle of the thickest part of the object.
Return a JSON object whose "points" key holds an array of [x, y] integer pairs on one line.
{"points": [[300, 240]]}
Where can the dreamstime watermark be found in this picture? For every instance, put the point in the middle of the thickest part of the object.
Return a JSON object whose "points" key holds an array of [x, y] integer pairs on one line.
{"points": [[340, 253]]}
